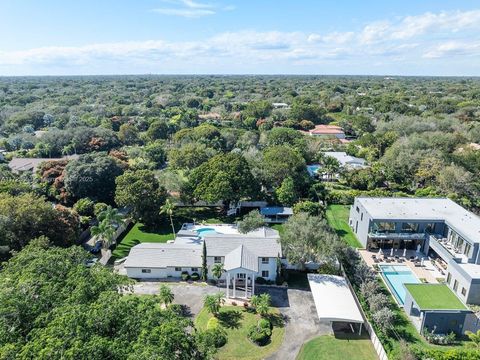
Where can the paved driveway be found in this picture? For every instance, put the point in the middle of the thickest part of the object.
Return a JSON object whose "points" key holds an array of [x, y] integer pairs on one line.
{"points": [[185, 294], [301, 319]]}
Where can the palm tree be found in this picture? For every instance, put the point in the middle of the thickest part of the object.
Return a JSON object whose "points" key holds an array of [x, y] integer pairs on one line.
{"points": [[111, 215], [217, 270], [474, 337], [214, 302], [167, 209], [105, 230], [263, 305], [166, 295]]}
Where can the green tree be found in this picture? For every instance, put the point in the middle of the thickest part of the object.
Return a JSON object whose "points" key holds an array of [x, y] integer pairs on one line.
{"points": [[217, 270], [104, 230], [223, 178], [308, 238], [141, 191], [92, 176], [214, 302], [287, 193], [280, 162], [167, 209], [204, 262], [474, 337], [251, 221], [166, 295]]}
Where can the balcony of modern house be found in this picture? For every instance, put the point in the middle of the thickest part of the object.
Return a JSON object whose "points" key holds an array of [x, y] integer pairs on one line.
{"points": [[446, 250]]}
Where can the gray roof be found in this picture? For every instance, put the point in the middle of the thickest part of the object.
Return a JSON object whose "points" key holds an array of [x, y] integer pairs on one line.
{"points": [[153, 255], [276, 210], [461, 220], [31, 164], [241, 257], [260, 247]]}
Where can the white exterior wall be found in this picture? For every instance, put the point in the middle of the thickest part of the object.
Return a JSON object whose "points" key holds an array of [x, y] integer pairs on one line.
{"points": [[158, 273], [271, 267], [359, 225]]}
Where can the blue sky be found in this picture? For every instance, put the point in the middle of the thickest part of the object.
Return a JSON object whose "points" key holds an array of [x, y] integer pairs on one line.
{"points": [[409, 37]]}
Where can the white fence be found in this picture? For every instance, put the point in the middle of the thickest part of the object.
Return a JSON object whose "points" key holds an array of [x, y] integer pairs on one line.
{"points": [[377, 345]]}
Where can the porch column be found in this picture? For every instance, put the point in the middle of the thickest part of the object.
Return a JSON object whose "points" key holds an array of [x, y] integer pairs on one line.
{"points": [[228, 283], [253, 283], [360, 331], [234, 281]]}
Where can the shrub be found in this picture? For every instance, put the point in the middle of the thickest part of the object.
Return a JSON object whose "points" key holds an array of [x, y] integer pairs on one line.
{"points": [[261, 281], [185, 276], [213, 323], [98, 208], [439, 339], [384, 319], [217, 337], [260, 333], [378, 302], [84, 207], [195, 276]]}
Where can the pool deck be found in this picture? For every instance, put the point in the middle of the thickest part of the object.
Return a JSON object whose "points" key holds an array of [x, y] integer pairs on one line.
{"points": [[427, 272]]}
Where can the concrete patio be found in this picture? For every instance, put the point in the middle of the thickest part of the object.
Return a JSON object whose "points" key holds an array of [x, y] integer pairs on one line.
{"points": [[428, 271]]}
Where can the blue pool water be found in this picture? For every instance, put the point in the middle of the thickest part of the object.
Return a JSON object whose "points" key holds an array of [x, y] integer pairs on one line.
{"points": [[395, 276], [312, 169], [204, 231]]}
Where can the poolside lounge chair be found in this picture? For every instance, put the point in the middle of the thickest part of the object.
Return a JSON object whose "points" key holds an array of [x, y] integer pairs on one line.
{"points": [[376, 261]]}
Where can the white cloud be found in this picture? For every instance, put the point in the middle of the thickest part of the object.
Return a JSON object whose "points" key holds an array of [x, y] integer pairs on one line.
{"points": [[191, 9], [405, 42]]}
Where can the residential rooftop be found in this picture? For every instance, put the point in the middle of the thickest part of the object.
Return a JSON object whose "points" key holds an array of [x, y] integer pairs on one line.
{"points": [[327, 130], [461, 220], [158, 255], [218, 245], [434, 297]]}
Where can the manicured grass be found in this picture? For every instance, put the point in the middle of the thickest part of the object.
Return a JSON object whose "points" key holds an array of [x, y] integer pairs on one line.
{"points": [[339, 347], [236, 321], [434, 297], [279, 228], [337, 217], [140, 234]]}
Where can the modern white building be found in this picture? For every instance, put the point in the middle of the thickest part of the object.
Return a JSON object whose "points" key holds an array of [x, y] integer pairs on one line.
{"points": [[437, 227], [245, 257]]}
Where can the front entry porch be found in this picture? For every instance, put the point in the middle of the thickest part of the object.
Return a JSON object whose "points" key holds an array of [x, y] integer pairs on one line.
{"points": [[240, 284]]}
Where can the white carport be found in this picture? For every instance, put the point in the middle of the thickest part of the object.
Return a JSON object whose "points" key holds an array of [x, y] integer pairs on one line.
{"points": [[334, 300]]}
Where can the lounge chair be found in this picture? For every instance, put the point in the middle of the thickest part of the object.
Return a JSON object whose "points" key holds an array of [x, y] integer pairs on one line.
{"points": [[376, 261]]}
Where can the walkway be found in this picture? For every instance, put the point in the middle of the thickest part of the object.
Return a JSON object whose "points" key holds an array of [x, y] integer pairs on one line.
{"points": [[301, 318]]}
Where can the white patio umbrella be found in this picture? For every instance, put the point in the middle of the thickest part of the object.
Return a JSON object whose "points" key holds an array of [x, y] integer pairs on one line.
{"points": [[405, 251], [422, 262], [380, 252], [391, 252]]}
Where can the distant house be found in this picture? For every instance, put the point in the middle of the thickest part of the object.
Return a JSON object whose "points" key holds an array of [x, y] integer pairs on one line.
{"points": [[327, 131], [276, 214], [280, 106], [18, 165], [347, 161]]}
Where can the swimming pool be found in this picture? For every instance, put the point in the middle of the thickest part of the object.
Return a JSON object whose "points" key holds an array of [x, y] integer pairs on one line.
{"points": [[395, 276], [207, 230], [312, 169]]}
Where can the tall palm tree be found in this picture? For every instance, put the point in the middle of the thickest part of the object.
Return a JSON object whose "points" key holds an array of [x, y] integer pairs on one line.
{"points": [[166, 295], [104, 230], [167, 209], [111, 215]]}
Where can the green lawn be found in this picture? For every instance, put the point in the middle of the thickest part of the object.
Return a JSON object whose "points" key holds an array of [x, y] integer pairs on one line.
{"points": [[338, 347], [279, 228], [434, 297], [139, 234], [236, 321], [337, 217]]}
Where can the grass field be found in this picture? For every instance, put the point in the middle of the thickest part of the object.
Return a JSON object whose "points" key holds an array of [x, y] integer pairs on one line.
{"points": [[434, 296], [339, 347], [337, 217], [236, 321], [139, 234]]}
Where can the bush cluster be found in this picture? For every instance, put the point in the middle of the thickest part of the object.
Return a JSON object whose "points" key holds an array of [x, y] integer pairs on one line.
{"points": [[261, 332]]}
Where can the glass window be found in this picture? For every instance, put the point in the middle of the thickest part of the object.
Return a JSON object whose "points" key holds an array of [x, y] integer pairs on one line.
{"points": [[217, 259], [449, 278], [410, 227], [361, 216], [194, 269], [146, 271], [384, 227], [455, 285], [178, 269], [464, 291], [265, 260], [241, 276], [265, 273], [430, 228], [468, 249]]}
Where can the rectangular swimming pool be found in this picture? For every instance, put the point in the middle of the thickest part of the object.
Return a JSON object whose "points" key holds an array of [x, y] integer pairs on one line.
{"points": [[395, 276]]}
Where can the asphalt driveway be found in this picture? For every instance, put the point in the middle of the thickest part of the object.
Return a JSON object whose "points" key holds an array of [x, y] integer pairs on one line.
{"points": [[301, 320]]}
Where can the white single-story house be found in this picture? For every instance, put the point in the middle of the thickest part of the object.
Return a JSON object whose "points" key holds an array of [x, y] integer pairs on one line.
{"points": [[347, 161], [245, 257]]}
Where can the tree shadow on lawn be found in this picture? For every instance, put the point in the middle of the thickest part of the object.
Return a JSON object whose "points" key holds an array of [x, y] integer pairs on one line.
{"points": [[230, 319], [277, 320], [163, 228]]}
